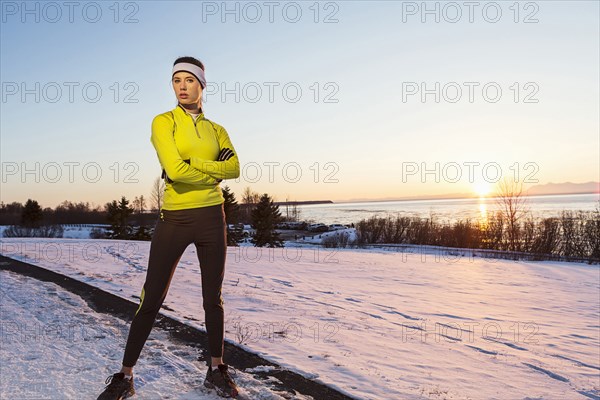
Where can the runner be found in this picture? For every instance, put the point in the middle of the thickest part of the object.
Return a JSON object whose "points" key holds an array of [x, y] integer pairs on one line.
{"points": [[196, 154]]}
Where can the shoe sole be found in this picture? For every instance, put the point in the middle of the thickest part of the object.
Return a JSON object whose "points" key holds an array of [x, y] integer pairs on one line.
{"points": [[127, 395], [220, 391]]}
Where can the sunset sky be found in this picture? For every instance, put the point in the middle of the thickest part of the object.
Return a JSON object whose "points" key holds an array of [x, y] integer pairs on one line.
{"points": [[330, 90]]}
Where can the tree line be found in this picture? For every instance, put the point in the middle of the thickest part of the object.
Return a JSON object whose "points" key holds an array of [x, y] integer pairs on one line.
{"points": [[511, 228], [133, 221], [574, 234]]}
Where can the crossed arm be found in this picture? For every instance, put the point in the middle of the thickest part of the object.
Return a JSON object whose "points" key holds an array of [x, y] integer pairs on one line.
{"points": [[195, 171], [227, 165]]}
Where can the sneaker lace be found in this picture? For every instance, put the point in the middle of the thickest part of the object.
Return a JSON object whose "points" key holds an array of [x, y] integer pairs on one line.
{"points": [[109, 379]]}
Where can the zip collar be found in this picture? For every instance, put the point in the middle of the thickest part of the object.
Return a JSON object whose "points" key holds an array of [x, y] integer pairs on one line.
{"points": [[186, 114]]}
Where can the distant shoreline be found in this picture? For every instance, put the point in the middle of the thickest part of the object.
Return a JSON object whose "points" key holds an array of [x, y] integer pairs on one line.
{"points": [[443, 197], [302, 203]]}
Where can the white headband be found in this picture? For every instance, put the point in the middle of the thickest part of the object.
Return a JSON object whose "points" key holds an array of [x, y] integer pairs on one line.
{"points": [[192, 68]]}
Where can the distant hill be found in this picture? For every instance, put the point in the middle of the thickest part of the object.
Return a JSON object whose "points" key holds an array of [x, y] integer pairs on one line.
{"points": [[564, 188]]}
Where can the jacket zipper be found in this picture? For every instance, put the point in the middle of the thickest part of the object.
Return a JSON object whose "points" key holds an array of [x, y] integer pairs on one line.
{"points": [[194, 121], [195, 127]]}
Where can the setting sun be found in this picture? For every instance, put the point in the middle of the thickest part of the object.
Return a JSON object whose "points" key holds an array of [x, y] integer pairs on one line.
{"points": [[482, 188]]}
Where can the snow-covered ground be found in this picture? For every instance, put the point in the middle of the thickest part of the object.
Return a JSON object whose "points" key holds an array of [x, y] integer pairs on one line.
{"points": [[55, 347], [70, 231], [374, 324]]}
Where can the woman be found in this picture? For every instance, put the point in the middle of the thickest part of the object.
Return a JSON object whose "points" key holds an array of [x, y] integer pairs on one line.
{"points": [[196, 154]]}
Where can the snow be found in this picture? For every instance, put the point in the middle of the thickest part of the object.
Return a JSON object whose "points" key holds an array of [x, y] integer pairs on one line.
{"points": [[81, 231], [48, 332], [371, 323]]}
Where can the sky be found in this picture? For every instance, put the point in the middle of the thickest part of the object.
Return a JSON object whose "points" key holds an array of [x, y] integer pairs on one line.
{"points": [[322, 100]]}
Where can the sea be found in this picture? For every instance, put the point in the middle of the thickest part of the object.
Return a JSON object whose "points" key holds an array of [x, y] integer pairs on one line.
{"points": [[443, 211]]}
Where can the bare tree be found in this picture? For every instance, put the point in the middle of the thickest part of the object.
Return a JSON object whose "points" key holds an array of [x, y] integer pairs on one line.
{"points": [[249, 196], [135, 204], [292, 213], [142, 203], [156, 196], [249, 201], [139, 204], [513, 206]]}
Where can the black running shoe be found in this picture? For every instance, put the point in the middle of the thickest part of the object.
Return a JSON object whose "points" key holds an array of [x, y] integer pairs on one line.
{"points": [[220, 380], [118, 387]]}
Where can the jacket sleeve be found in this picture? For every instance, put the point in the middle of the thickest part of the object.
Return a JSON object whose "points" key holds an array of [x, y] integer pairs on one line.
{"points": [[169, 157], [228, 169]]}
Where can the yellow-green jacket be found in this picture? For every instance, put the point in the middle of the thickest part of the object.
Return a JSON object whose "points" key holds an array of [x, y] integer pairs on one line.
{"points": [[177, 137]]}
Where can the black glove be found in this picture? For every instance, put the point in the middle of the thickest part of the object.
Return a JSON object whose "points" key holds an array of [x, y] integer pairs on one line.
{"points": [[164, 176], [224, 155]]}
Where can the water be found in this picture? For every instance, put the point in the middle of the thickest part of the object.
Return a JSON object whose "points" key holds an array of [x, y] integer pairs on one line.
{"points": [[443, 210]]}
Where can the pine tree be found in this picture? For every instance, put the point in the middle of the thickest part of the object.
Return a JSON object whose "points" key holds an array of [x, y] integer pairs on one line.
{"points": [[231, 207], [264, 217], [32, 216], [118, 213]]}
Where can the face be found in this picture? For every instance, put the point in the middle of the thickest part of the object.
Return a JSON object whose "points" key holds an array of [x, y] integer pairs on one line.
{"points": [[187, 88]]}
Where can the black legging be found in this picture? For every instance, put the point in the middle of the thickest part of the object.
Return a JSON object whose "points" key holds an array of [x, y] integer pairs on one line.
{"points": [[174, 231]]}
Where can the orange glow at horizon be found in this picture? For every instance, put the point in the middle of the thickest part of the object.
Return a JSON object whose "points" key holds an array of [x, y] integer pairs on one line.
{"points": [[482, 188]]}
